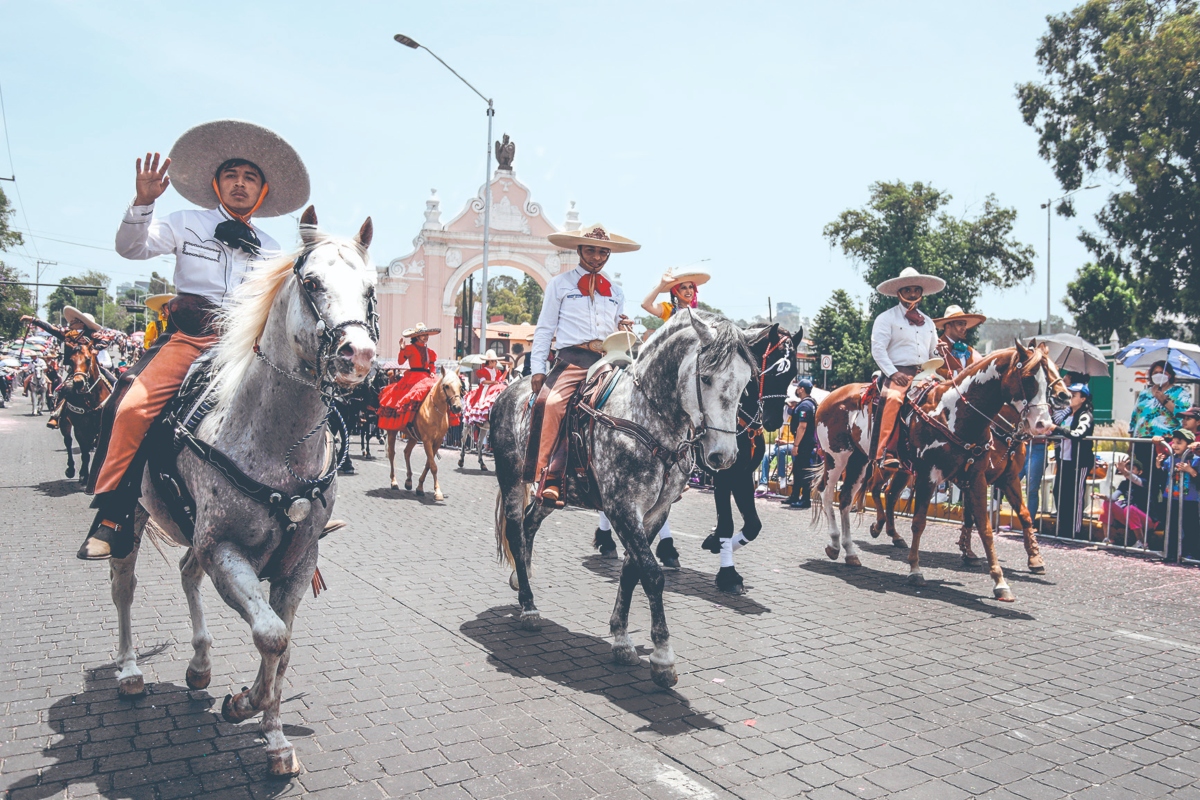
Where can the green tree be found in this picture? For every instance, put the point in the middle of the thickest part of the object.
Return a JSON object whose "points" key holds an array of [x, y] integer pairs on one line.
{"points": [[65, 297], [14, 300], [906, 225], [1102, 301], [841, 330], [531, 296], [1121, 79]]}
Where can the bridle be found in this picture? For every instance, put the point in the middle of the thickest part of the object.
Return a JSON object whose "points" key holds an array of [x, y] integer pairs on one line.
{"points": [[754, 424]]}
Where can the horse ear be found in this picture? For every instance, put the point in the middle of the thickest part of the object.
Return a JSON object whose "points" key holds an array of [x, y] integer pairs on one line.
{"points": [[308, 225], [798, 337], [1022, 350], [365, 233], [701, 327], [774, 332]]}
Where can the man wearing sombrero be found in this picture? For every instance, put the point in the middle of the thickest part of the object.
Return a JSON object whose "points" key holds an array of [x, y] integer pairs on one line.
{"points": [[233, 171], [81, 328], [681, 286], [902, 340], [952, 345], [580, 309], [156, 304]]}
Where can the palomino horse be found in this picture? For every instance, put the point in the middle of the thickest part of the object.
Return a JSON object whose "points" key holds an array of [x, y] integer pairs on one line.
{"points": [[301, 329], [947, 439], [761, 409], [681, 393], [82, 396], [430, 427], [1002, 468]]}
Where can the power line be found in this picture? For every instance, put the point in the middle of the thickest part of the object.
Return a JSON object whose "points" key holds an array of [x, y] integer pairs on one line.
{"points": [[33, 235], [13, 170]]}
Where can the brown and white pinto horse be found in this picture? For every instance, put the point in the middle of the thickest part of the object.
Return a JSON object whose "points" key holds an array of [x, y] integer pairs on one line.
{"points": [[1003, 462], [947, 439]]}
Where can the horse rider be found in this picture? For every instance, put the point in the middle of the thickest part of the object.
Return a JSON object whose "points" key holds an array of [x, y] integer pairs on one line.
{"points": [[81, 328], [579, 309], [902, 340], [952, 344], [233, 171], [400, 401], [156, 303], [682, 288]]}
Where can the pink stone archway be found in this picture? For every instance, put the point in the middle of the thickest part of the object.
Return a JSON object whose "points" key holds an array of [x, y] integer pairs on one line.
{"points": [[421, 286]]}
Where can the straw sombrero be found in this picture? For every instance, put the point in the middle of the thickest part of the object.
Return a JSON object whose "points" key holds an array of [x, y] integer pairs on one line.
{"points": [[73, 314], [418, 330], [597, 236], [672, 277], [931, 284], [155, 302], [199, 151], [955, 313]]}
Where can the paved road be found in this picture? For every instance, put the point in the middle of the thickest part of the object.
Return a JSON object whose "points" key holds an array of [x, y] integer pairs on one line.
{"points": [[410, 676]]}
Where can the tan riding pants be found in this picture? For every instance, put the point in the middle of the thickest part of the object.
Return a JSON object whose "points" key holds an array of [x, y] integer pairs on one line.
{"points": [[555, 409]]}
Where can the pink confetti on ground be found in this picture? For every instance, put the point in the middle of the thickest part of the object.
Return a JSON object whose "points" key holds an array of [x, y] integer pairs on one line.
{"points": [[718, 680], [750, 722]]}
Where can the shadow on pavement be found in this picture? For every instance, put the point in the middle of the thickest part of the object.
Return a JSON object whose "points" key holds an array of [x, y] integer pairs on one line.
{"points": [[883, 582], [168, 742], [583, 663], [59, 488], [952, 562], [690, 582], [386, 493]]}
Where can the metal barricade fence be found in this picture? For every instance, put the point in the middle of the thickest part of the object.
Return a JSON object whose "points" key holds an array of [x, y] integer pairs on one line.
{"points": [[1142, 519]]}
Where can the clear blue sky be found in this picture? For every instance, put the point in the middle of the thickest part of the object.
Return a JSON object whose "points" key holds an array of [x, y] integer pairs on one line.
{"points": [[727, 131]]}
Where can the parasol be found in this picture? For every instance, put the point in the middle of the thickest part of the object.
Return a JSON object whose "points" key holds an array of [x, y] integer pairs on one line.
{"points": [[1183, 357], [1073, 354]]}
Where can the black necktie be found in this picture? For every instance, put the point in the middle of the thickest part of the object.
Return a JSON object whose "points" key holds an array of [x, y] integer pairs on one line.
{"points": [[237, 235]]}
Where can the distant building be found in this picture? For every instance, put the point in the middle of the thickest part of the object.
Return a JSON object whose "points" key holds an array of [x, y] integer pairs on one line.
{"points": [[999, 333]]}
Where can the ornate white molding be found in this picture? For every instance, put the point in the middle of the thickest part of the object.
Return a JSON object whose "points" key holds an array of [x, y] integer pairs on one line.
{"points": [[453, 257], [553, 264]]}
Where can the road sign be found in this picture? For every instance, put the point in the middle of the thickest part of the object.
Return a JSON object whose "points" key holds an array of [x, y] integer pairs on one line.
{"points": [[826, 362]]}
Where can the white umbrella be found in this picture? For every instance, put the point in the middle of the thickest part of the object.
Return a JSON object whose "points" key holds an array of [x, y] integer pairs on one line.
{"points": [[1073, 354], [10, 362], [473, 360]]}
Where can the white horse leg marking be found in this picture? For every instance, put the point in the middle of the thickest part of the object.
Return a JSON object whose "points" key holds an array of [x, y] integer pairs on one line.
{"points": [[191, 574], [848, 546], [828, 496], [124, 582]]}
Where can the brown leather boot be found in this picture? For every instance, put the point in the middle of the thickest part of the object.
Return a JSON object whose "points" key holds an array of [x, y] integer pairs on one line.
{"points": [[106, 541]]}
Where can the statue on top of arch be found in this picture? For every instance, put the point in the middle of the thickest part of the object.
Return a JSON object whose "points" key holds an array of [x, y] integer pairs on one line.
{"points": [[506, 150]]}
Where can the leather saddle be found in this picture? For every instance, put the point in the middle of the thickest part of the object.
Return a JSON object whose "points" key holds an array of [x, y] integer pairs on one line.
{"points": [[572, 454]]}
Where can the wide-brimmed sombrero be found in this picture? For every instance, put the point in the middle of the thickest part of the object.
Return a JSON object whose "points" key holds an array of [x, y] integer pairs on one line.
{"points": [[155, 302], [73, 314], [197, 154], [955, 313], [931, 284], [597, 236], [675, 276], [418, 330]]}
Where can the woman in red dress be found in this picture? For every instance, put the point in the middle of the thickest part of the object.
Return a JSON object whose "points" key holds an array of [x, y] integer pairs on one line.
{"points": [[398, 403], [491, 382]]}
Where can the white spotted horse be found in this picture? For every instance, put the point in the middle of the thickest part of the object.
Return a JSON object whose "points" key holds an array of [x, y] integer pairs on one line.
{"points": [[678, 402], [761, 408], [948, 425]]}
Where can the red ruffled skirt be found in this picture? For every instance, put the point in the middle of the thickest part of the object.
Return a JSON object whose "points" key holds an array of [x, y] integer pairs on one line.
{"points": [[398, 403], [479, 403]]}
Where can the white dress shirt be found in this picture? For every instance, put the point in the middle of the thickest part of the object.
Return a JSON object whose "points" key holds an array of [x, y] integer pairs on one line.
{"points": [[895, 342], [203, 265], [569, 317]]}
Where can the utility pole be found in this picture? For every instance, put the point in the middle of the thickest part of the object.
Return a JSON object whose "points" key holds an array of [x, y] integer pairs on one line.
{"points": [[36, 294]]}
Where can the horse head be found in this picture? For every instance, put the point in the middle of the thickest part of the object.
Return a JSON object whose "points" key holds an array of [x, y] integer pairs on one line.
{"points": [[84, 367], [336, 283], [720, 371], [450, 386], [1032, 384], [774, 350]]}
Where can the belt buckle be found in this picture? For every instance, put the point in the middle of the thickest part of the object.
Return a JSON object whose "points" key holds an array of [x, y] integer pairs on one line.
{"points": [[596, 346]]}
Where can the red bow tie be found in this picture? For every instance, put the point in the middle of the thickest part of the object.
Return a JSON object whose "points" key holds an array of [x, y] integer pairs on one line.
{"points": [[594, 283]]}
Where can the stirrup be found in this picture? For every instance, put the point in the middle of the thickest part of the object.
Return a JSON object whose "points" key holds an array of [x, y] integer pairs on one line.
{"points": [[889, 463], [550, 497]]}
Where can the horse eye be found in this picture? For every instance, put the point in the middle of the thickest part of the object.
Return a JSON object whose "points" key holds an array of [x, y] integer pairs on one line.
{"points": [[312, 285], [707, 381]]}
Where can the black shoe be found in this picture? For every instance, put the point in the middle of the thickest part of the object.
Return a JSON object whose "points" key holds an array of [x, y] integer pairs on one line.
{"points": [[667, 553], [729, 581], [800, 504]]}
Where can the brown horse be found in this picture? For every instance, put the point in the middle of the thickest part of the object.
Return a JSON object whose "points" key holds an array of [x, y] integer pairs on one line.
{"points": [[430, 427], [81, 396], [1002, 466], [948, 434]]}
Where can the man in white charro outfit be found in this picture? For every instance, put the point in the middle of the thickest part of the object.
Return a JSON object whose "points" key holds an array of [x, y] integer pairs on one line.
{"points": [[580, 309], [902, 340]]}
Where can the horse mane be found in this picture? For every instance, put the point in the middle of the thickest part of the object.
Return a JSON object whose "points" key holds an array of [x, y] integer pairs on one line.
{"points": [[728, 339]]}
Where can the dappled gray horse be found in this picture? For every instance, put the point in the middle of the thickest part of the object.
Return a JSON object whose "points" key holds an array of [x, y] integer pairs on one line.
{"points": [[301, 328], [683, 392]]}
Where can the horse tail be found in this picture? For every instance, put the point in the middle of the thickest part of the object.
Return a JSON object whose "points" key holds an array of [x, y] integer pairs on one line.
{"points": [[503, 552], [818, 476]]}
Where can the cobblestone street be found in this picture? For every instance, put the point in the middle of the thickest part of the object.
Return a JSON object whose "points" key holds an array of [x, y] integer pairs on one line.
{"points": [[410, 676]]}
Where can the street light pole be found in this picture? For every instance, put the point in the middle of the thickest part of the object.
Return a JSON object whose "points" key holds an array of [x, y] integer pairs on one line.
{"points": [[1048, 206], [36, 293], [487, 183]]}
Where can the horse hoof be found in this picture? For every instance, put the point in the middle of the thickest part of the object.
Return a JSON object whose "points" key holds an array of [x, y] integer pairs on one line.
{"points": [[408, 486], [395, 485], [898, 541], [198, 680], [972, 561], [1037, 566], [736, 589], [670, 563], [916, 579], [1004, 594], [284, 764], [70, 472], [852, 561], [876, 529], [626, 656], [133, 686], [664, 676], [230, 710], [439, 496], [831, 552], [531, 620], [419, 492], [483, 466], [460, 463]]}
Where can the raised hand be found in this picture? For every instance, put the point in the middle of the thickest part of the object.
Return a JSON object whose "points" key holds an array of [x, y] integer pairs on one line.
{"points": [[152, 181]]}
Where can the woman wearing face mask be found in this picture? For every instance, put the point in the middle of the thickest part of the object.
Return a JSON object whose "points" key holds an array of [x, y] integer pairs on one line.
{"points": [[1157, 410]]}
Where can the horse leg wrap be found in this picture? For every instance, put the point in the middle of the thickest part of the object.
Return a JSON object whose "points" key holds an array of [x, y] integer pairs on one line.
{"points": [[603, 541], [726, 553], [741, 539]]}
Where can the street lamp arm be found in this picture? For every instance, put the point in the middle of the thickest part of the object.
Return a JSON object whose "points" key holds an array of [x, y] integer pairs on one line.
{"points": [[460, 77]]}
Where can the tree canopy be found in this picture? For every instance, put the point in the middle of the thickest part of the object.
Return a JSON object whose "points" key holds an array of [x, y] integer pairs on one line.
{"points": [[841, 330], [1102, 301], [516, 302], [1118, 96], [14, 300], [907, 225]]}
